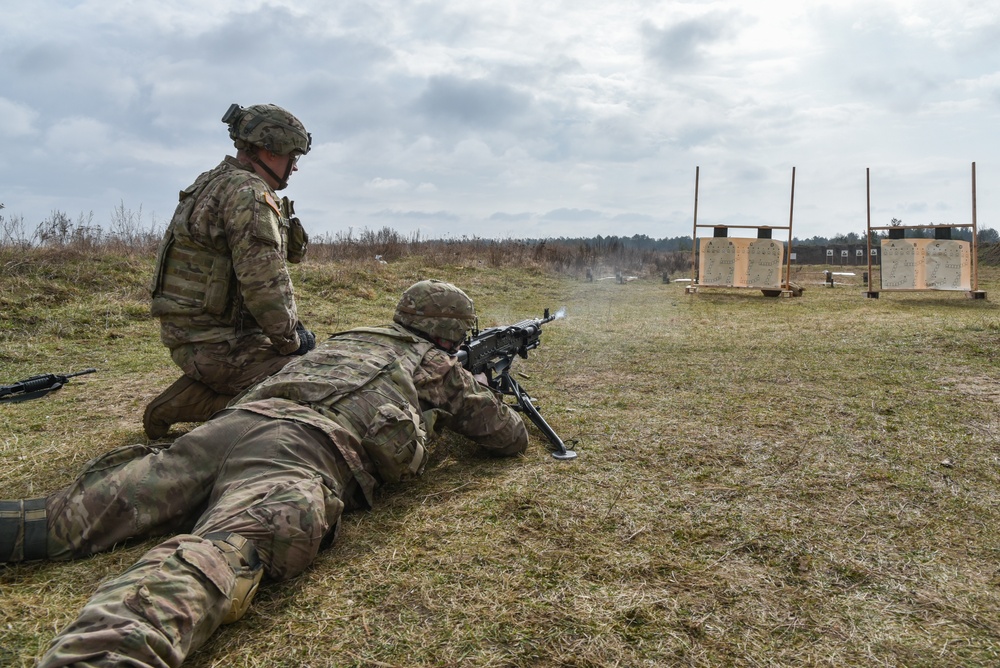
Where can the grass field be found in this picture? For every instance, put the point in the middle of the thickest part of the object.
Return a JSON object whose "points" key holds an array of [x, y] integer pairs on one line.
{"points": [[760, 482]]}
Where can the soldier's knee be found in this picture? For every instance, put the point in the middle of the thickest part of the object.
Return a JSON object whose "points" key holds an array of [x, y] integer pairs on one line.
{"points": [[287, 523], [241, 555]]}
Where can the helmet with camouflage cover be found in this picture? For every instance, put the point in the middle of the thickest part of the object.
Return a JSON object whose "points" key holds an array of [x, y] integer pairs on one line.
{"points": [[267, 126], [437, 309]]}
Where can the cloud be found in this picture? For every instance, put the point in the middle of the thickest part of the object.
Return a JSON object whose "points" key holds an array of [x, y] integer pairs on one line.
{"points": [[417, 215], [477, 103], [904, 90], [554, 118], [40, 60], [633, 218], [500, 216], [573, 215], [18, 119], [379, 183], [83, 138], [687, 44]]}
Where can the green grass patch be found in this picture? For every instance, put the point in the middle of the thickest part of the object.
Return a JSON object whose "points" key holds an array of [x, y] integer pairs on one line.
{"points": [[796, 482]]}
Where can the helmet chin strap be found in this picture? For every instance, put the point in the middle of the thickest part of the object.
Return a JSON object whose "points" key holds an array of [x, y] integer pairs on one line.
{"points": [[282, 181]]}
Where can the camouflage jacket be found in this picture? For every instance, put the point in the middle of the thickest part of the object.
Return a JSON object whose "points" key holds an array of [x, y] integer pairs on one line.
{"points": [[221, 271], [379, 394]]}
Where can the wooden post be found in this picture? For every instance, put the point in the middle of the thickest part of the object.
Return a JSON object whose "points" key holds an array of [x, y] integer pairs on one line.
{"points": [[868, 234], [975, 234], [791, 211], [694, 231]]}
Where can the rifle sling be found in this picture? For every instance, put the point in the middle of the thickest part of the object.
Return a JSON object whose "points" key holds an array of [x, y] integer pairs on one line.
{"points": [[18, 398]]}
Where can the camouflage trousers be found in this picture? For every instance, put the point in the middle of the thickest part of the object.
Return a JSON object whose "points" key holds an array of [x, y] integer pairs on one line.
{"points": [[230, 368], [278, 483]]}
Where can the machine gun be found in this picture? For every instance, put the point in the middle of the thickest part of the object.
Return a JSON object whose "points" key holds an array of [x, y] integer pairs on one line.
{"points": [[492, 351], [36, 386]]}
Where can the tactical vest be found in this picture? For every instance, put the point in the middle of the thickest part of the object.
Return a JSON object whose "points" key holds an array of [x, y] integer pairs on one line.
{"points": [[195, 277], [363, 380]]}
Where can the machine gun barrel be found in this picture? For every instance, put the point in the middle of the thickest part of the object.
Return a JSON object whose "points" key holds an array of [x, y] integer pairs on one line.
{"points": [[491, 352]]}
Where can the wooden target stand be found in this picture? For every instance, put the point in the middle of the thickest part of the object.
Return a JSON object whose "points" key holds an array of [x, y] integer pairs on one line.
{"points": [[742, 263], [923, 265]]}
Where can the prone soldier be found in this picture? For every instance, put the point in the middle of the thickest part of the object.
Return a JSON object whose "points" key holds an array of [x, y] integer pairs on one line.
{"points": [[258, 489]]}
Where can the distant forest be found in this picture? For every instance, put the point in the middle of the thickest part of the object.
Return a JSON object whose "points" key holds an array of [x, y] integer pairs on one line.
{"points": [[642, 242]]}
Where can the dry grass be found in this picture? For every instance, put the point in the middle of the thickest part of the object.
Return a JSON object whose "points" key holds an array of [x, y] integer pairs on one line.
{"points": [[761, 482]]}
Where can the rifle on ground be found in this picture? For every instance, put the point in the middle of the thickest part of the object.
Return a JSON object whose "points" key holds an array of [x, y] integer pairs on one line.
{"points": [[492, 351], [36, 386]]}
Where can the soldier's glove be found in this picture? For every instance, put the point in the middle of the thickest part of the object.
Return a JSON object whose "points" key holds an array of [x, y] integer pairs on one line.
{"points": [[307, 340]]}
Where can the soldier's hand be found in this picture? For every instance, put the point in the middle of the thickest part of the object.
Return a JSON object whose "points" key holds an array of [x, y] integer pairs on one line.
{"points": [[307, 340]]}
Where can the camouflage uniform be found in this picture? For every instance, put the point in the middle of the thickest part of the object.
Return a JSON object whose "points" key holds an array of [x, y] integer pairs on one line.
{"points": [[222, 289], [278, 468], [221, 286]]}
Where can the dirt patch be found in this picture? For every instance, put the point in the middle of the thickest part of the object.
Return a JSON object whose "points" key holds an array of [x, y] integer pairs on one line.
{"points": [[982, 388]]}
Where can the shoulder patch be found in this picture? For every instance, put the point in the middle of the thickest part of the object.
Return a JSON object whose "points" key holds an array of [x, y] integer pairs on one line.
{"points": [[271, 203], [268, 220]]}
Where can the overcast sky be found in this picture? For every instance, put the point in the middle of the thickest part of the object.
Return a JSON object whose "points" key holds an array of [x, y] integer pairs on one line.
{"points": [[515, 119]]}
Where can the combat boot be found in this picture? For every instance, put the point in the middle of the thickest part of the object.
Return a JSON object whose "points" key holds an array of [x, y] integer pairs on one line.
{"points": [[24, 530], [186, 400]]}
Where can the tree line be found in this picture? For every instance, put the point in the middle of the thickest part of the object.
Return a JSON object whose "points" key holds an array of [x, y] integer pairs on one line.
{"points": [[641, 242]]}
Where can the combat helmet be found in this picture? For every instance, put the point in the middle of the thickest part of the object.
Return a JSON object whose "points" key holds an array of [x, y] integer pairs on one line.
{"points": [[267, 126], [436, 309]]}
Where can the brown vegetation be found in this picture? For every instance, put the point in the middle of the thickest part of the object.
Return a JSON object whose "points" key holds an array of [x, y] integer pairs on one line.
{"points": [[780, 482]]}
